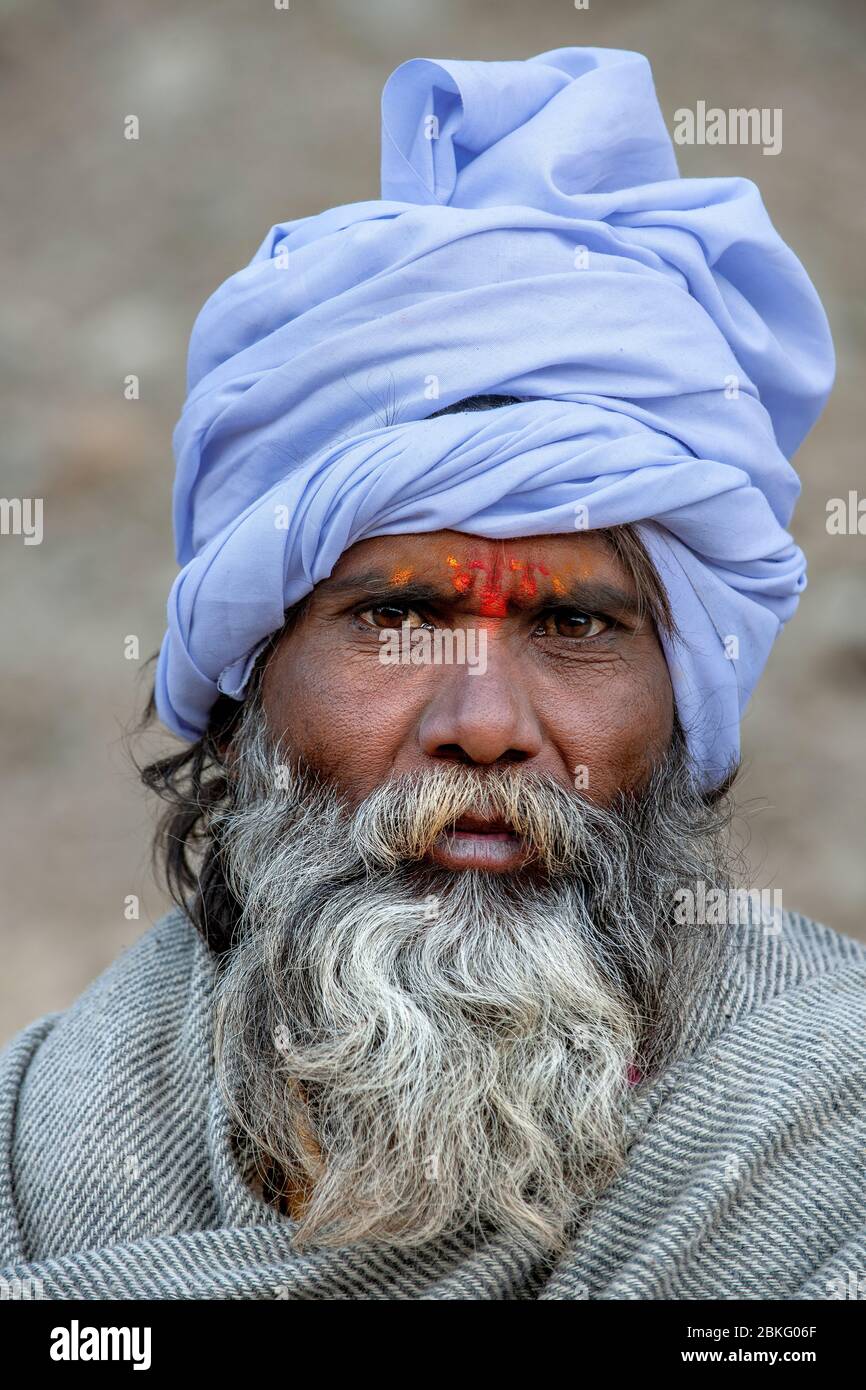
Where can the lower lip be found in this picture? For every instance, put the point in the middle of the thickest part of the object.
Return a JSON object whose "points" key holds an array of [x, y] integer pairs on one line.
{"points": [[498, 851]]}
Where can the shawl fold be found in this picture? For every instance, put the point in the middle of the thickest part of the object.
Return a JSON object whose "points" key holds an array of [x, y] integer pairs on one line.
{"points": [[118, 1178]]}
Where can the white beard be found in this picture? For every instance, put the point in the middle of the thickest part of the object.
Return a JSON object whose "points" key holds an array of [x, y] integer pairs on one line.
{"points": [[424, 1050]]}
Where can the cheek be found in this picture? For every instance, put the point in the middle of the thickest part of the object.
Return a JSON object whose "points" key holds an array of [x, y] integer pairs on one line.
{"points": [[615, 725], [332, 707]]}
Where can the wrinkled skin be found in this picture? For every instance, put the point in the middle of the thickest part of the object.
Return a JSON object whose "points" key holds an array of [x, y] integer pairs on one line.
{"points": [[574, 678]]}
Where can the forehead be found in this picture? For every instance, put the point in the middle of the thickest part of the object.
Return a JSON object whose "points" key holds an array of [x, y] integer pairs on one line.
{"points": [[447, 555]]}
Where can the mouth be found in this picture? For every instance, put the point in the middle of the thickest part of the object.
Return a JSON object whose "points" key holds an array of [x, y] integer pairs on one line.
{"points": [[478, 842]]}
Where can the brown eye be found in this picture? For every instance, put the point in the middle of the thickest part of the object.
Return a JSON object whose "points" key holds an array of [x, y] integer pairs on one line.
{"points": [[385, 615], [573, 623]]}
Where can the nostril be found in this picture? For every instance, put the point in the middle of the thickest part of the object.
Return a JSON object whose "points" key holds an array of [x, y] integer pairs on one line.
{"points": [[452, 752]]}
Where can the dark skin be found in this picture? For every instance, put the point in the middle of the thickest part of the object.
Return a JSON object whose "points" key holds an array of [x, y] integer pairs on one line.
{"points": [[575, 676]]}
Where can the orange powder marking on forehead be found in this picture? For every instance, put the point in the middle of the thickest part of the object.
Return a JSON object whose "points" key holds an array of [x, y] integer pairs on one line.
{"points": [[492, 596], [492, 599], [528, 586], [462, 580], [402, 576], [494, 602]]}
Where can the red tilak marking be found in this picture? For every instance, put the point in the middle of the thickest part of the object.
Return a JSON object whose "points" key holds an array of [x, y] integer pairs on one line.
{"points": [[528, 585], [494, 601], [494, 604]]}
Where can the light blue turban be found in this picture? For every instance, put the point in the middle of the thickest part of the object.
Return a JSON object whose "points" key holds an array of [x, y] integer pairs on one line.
{"points": [[533, 239]]}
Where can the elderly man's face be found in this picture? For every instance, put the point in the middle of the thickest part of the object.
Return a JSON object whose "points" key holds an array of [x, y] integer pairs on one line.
{"points": [[576, 685], [419, 988]]}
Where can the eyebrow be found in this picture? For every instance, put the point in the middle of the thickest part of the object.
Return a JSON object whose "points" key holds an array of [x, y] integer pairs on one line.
{"points": [[587, 595]]}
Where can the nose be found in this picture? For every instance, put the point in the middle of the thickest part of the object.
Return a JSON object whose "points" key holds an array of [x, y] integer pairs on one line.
{"points": [[482, 719]]}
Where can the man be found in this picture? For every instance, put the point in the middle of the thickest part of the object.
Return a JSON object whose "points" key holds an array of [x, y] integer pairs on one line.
{"points": [[481, 503]]}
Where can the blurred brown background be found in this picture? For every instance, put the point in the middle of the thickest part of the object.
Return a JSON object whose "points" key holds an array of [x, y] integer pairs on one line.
{"points": [[250, 115]]}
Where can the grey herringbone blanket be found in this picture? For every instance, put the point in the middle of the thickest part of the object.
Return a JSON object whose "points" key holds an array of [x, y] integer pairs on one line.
{"points": [[745, 1176]]}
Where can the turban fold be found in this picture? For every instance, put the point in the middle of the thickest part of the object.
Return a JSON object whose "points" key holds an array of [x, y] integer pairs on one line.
{"points": [[533, 239]]}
